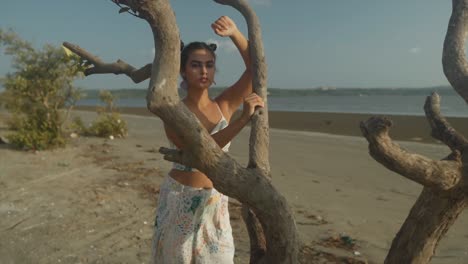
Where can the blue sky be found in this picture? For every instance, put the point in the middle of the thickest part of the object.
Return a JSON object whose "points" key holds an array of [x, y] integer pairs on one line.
{"points": [[308, 43]]}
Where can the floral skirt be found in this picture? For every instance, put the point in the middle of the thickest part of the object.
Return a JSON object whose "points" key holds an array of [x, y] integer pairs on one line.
{"points": [[192, 226]]}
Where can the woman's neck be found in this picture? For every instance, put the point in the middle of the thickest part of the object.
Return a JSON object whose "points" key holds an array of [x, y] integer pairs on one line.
{"points": [[198, 98]]}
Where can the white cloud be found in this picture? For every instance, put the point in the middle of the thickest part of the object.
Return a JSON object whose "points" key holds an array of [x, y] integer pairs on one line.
{"points": [[261, 2], [223, 45], [415, 50]]}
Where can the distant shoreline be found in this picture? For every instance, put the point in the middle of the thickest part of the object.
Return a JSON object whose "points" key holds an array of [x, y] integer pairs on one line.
{"points": [[405, 128], [321, 90]]}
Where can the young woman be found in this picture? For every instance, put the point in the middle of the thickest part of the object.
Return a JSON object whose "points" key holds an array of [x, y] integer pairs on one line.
{"points": [[192, 220]]}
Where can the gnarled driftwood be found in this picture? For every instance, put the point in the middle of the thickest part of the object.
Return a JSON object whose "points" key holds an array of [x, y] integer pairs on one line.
{"points": [[445, 192]]}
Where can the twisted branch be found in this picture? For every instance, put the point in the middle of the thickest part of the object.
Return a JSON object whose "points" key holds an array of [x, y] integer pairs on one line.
{"points": [[441, 128], [453, 58], [259, 137], [126, 9], [441, 175], [118, 67]]}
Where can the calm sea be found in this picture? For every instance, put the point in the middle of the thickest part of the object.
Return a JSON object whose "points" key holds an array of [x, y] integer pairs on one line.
{"points": [[399, 104]]}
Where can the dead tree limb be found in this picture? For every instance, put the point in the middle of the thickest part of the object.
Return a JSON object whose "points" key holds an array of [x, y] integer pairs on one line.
{"points": [[412, 166], [438, 206], [118, 67], [420, 234], [453, 58], [441, 128], [445, 192]]}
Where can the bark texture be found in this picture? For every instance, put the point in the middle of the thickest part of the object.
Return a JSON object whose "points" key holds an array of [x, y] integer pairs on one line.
{"points": [[421, 232], [453, 58], [445, 192]]}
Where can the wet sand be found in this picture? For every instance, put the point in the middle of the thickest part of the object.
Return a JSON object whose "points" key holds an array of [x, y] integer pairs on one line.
{"points": [[405, 128]]}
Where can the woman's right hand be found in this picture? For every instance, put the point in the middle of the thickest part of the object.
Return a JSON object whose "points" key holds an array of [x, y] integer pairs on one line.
{"points": [[224, 27], [250, 103]]}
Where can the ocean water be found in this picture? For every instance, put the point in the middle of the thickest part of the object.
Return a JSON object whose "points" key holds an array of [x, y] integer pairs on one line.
{"points": [[395, 104]]}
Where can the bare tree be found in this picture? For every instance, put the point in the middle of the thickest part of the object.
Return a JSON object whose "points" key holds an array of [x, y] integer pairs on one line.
{"points": [[268, 217], [445, 192]]}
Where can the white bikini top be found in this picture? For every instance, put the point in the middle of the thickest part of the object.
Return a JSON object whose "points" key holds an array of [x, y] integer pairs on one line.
{"points": [[222, 124]]}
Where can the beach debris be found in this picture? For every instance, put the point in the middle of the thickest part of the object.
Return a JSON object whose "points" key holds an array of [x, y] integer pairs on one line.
{"points": [[347, 240], [152, 150], [381, 198], [318, 218], [357, 253], [63, 164], [339, 241], [4, 140], [122, 184], [73, 135], [111, 137], [311, 253]]}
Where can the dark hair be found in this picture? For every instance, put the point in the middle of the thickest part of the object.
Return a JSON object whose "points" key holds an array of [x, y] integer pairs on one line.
{"points": [[197, 45]]}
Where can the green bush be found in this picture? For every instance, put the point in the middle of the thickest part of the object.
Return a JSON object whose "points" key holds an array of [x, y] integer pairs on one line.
{"points": [[39, 94], [35, 134], [108, 123]]}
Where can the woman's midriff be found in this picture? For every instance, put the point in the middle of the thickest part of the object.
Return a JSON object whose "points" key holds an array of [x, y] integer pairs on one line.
{"points": [[195, 179]]}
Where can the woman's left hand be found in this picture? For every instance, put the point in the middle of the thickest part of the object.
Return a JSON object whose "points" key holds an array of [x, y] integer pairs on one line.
{"points": [[251, 102], [224, 26]]}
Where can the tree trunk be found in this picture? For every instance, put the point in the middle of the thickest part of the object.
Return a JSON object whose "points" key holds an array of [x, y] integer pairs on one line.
{"points": [[453, 58], [256, 235], [428, 221]]}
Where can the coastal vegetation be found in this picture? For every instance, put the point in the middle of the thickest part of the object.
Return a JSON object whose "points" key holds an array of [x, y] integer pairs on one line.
{"points": [[40, 93], [108, 123]]}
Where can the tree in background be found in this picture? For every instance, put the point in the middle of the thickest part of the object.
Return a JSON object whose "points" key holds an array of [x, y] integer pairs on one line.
{"points": [[39, 93]]}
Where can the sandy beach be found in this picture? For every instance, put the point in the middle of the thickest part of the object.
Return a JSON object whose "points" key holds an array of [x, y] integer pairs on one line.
{"points": [[94, 201]]}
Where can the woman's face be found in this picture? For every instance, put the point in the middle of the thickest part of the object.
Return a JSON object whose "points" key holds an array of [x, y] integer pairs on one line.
{"points": [[200, 69]]}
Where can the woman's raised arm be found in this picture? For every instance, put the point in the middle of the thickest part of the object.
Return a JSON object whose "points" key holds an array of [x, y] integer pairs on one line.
{"points": [[232, 97]]}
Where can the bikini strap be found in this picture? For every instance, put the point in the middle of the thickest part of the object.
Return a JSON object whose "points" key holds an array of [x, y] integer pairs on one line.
{"points": [[219, 109]]}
